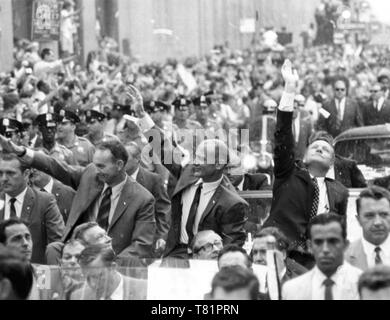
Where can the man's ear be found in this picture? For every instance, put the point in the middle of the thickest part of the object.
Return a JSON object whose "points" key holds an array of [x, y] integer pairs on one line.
{"points": [[120, 164]]}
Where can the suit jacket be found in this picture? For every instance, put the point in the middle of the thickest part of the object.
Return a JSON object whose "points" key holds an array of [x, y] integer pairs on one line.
{"points": [[300, 288], [225, 214], [305, 131], [253, 182], [372, 117], [356, 256], [352, 117], [348, 173], [134, 289], [293, 188], [43, 219], [64, 196], [155, 185], [133, 225]]}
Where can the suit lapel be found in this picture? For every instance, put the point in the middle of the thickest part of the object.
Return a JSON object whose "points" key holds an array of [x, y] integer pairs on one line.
{"points": [[123, 202], [141, 176], [28, 204], [331, 194], [186, 179], [213, 201]]}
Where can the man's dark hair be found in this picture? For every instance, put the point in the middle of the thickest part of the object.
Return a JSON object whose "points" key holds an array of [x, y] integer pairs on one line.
{"points": [[45, 52], [117, 150], [11, 157], [321, 135], [17, 271], [79, 231], [327, 218], [236, 277], [282, 242], [91, 253], [373, 192], [8, 223], [235, 248], [375, 279]]}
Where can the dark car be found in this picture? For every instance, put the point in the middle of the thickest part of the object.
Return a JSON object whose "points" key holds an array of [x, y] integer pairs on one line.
{"points": [[369, 147]]}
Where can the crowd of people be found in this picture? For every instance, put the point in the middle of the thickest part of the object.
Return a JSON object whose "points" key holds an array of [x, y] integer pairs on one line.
{"points": [[119, 164]]}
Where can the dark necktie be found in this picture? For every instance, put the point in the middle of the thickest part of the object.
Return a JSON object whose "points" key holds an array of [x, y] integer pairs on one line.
{"points": [[12, 208], [316, 199], [192, 213], [43, 190], [104, 209], [328, 283], [378, 259]]}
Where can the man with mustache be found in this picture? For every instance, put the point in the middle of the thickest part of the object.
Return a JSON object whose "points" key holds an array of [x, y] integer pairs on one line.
{"points": [[373, 215]]}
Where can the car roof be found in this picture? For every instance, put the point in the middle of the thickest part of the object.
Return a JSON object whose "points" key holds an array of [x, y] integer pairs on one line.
{"points": [[369, 132]]}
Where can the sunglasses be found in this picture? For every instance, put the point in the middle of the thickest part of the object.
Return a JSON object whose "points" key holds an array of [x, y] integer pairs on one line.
{"points": [[374, 91], [339, 89]]}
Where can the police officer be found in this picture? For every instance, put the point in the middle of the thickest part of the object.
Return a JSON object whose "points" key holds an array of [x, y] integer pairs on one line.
{"points": [[117, 113], [47, 125], [204, 115], [82, 149], [95, 123], [11, 129], [160, 113]]}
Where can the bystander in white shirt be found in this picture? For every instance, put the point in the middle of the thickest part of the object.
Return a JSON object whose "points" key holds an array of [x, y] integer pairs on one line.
{"points": [[369, 250]]}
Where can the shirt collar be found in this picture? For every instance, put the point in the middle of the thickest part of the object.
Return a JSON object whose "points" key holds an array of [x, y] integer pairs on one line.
{"points": [[115, 190], [369, 248], [330, 174], [135, 174], [209, 186], [118, 293], [19, 198], [321, 277], [49, 186]]}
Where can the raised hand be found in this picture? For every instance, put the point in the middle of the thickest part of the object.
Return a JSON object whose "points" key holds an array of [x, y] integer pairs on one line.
{"points": [[290, 76], [136, 98], [8, 146]]}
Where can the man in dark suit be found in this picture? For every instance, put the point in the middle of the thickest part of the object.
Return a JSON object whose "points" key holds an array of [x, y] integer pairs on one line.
{"points": [[63, 194], [377, 109], [104, 282], [105, 194], [341, 113], [38, 209], [302, 127], [301, 192], [155, 185], [204, 198]]}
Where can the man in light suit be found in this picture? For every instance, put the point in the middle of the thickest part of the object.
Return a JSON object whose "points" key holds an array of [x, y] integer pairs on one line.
{"points": [[373, 214], [332, 278], [341, 113], [104, 282], [38, 209], [105, 194]]}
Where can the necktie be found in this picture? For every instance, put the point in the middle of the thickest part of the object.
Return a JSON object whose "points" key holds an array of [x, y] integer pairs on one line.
{"points": [[328, 283], [378, 259], [316, 199], [43, 190], [192, 214], [104, 210], [12, 208]]}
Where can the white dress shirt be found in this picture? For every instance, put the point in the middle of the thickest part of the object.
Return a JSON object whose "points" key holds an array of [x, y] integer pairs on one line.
{"points": [[240, 186], [188, 196], [380, 103], [18, 205], [49, 187], [331, 173], [118, 294], [135, 174], [369, 250], [297, 128], [115, 195], [340, 106], [345, 288]]}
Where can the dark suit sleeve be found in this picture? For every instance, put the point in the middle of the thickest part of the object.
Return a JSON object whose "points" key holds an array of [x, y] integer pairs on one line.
{"points": [[232, 224], [357, 177], [143, 232], [69, 175], [162, 209], [284, 145], [343, 204], [54, 222]]}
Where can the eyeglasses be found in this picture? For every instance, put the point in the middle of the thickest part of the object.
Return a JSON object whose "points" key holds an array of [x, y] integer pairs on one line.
{"points": [[209, 246], [374, 91]]}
